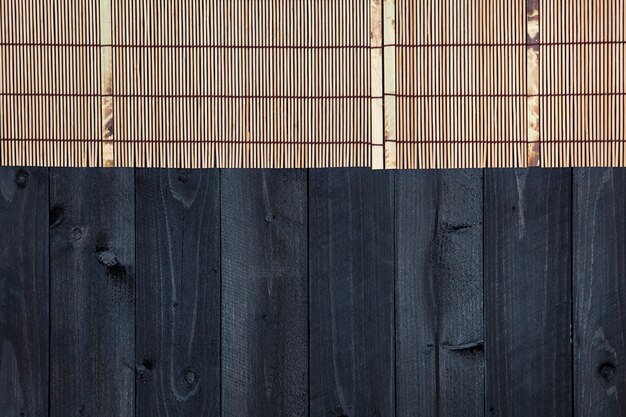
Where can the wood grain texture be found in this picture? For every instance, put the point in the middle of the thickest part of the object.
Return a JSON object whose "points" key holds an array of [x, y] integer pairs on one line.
{"points": [[351, 293], [92, 256], [599, 292], [528, 292], [439, 293], [390, 290], [24, 295], [178, 293], [265, 294]]}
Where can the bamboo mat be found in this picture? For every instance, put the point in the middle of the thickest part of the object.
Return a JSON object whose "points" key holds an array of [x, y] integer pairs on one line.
{"points": [[313, 83]]}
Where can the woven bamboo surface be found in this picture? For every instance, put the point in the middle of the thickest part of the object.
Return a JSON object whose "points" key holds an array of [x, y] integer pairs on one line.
{"points": [[313, 83]]}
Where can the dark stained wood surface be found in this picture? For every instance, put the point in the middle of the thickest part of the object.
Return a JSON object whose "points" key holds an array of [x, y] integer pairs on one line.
{"points": [[599, 292], [265, 293], [351, 293], [178, 293], [92, 292], [440, 361], [24, 286], [339, 293], [528, 292]]}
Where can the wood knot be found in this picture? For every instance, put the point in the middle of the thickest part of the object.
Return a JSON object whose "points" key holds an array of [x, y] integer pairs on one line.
{"points": [[191, 376], [470, 348], [270, 218], [338, 411], [148, 364], [116, 271], [607, 371], [76, 233], [183, 175], [56, 215], [453, 227], [106, 257], [21, 178]]}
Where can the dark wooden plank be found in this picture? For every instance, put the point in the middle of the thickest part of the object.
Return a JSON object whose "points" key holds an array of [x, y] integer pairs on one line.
{"points": [[178, 293], [528, 292], [439, 293], [351, 292], [24, 296], [599, 230], [92, 295], [264, 287]]}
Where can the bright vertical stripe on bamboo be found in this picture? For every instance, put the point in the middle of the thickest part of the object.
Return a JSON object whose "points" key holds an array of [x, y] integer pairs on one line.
{"points": [[583, 83], [533, 37], [461, 83], [389, 41], [378, 115], [106, 81], [243, 83], [50, 83]]}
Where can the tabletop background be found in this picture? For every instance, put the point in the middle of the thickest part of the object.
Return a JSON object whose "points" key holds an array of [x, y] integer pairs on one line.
{"points": [[345, 292]]}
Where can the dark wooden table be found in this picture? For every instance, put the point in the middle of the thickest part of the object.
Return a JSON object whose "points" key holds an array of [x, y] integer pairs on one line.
{"points": [[341, 292]]}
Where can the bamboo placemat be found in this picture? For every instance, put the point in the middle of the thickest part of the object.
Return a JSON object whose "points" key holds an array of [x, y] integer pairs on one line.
{"points": [[583, 83], [221, 83], [313, 83]]}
